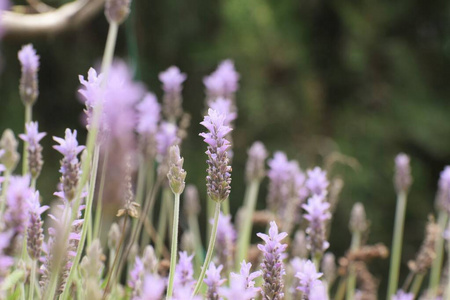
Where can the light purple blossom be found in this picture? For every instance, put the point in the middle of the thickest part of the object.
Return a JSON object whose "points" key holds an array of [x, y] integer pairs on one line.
{"points": [[17, 200], [272, 265], [172, 79], [223, 82], [224, 107], [213, 281], [149, 115], [237, 290], [35, 236], [34, 149], [309, 277], [318, 291], [166, 137], [401, 295], [257, 154], [317, 181], [317, 213], [219, 172], [248, 277], [28, 59], [136, 275], [403, 177], [184, 271], [153, 287], [32, 136], [443, 197], [92, 92], [29, 81]]}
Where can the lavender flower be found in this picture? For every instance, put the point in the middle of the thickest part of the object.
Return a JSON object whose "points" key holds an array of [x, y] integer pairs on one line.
{"points": [[213, 281], [176, 173], [70, 166], [401, 295], [117, 11], [166, 137], [225, 107], [403, 177], [136, 278], [148, 118], [308, 277], [34, 149], [254, 168], [29, 81], [184, 272], [153, 288], [219, 177], [237, 290], [91, 92], [318, 291], [317, 181], [225, 241], [358, 220], [248, 277], [172, 80], [272, 265], [223, 82], [6, 261], [35, 231], [279, 169], [317, 214]]}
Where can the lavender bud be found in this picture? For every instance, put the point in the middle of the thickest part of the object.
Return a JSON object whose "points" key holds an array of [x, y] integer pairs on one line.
{"points": [[219, 172], [254, 168], [29, 81], [147, 127], [213, 281], [299, 248], [358, 220], [184, 271], [150, 260], [35, 235], [223, 82], [272, 265], [191, 200], [172, 80], [403, 177], [10, 156], [329, 268], [91, 268], [114, 235], [117, 10], [176, 173], [34, 149], [70, 166], [317, 213]]}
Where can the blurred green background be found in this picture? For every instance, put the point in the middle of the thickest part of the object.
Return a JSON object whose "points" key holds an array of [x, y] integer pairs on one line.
{"points": [[366, 79]]}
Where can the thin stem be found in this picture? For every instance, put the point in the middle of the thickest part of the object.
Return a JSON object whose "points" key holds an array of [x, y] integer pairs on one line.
{"points": [[32, 280], [162, 221], [98, 208], [90, 200], [246, 230], [4, 189], [351, 280], [435, 272], [194, 228], [340, 292], [226, 207], [28, 117], [416, 284], [447, 290], [111, 274], [109, 48], [210, 251], [173, 250], [397, 243]]}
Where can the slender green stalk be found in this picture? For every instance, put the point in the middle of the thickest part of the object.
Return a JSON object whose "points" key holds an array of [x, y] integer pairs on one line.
{"points": [[4, 189], [170, 215], [447, 290], [246, 230], [28, 117], [109, 48], [98, 209], [162, 222], [32, 280], [340, 292], [226, 207], [435, 272], [173, 250], [397, 244], [210, 251], [90, 200], [351, 280], [209, 215], [194, 228], [415, 287]]}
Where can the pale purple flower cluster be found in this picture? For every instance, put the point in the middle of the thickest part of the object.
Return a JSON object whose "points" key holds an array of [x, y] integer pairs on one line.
{"points": [[317, 213], [148, 111], [225, 241], [254, 169], [443, 196], [237, 290], [34, 149], [172, 80], [6, 261], [70, 166], [136, 278], [317, 181], [35, 236], [213, 280], [308, 278], [166, 137], [153, 288], [223, 82], [224, 107], [403, 177], [248, 277], [184, 272], [272, 265], [401, 295], [219, 172], [29, 81]]}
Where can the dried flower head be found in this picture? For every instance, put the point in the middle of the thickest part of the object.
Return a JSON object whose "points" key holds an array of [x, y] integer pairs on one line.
{"points": [[28, 88], [117, 10], [427, 252]]}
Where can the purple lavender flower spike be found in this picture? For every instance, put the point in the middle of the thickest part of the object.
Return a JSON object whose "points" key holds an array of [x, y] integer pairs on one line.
{"points": [[92, 93], [219, 172], [237, 290], [184, 272], [34, 149], [318, 291], [153, 288], [317, 213], [225, 107], [279, 169], [29, 81], [254, 168], [309, 277], [149, 110], [172, 80], [401, 295], [317, 181], [248, 277], [213, 281], [223, 82], [70, 166], [136, 274], [272, 265], [35, 236], [6, 261], [166, 137], [403, 177], [225, 241]]}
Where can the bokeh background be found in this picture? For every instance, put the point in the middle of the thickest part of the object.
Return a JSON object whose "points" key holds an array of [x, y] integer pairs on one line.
{"points": [[355, 80]]}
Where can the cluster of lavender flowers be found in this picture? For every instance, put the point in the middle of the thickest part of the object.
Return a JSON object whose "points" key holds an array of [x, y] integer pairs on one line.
{"points": [[103, 238]]}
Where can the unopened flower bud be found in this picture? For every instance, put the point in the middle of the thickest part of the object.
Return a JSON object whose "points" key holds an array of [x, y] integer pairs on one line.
{"points": [[9, 144], [255, 164], [403, 177], [117, 10], [358, 220], [176, 173]]}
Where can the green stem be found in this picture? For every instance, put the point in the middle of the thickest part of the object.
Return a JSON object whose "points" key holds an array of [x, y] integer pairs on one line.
{"points": [[447, 290], [98, 208], [162, 222], [209, 214], [194, 228], [4, 189], [210, 251], [226, 207], [173, 250], [397, 244], [416, 284], [244, 239], [340, 292], [109, 48], [351, 280], [435, 272], [32, 280], [28, 117]]}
